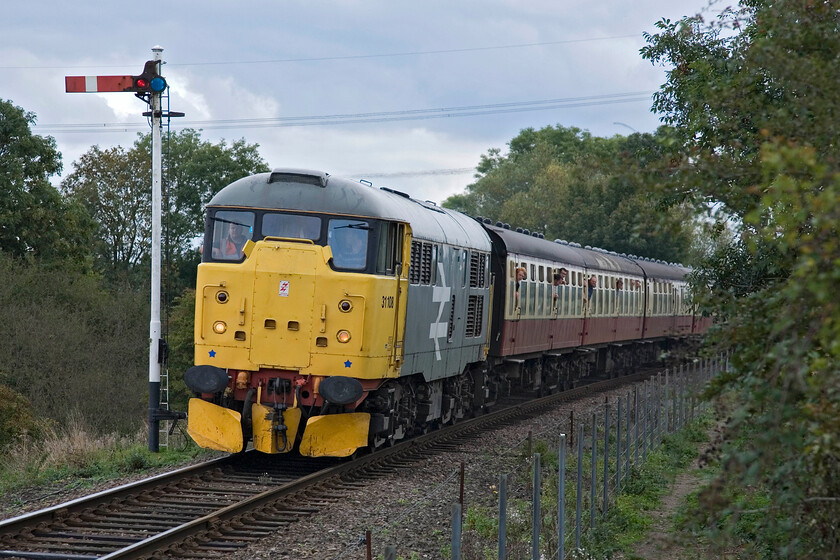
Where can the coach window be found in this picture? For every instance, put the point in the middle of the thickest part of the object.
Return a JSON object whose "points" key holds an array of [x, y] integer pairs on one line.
{"points": [[677, 301], [600, 295], [651, 296], [637, 297], [606, 292], [658, 299], [619, 299], [654, 298], [230, 230], [511, 287]]}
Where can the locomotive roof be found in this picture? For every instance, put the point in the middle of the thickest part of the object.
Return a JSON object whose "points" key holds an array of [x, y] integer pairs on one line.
{"points": [[524, 244], [315, 191]]}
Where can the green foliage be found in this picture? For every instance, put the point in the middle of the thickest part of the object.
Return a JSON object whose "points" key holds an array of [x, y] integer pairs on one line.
{"points": [[70, 345], [627, 521], [34, 219], [571, 185], [754, 109], [115, 187], [181, 348], [17, 419]]}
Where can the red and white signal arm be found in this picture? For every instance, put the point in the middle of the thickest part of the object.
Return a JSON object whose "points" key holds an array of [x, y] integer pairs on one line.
{"points": [[147, 82], [93, 84]]}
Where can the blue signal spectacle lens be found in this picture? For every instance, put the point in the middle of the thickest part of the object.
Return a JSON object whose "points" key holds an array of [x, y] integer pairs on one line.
{"points": [[158, 84]]}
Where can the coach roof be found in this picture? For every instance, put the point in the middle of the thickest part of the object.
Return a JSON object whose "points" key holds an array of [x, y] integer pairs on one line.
{"points": [[306, 190], [523, 244]]}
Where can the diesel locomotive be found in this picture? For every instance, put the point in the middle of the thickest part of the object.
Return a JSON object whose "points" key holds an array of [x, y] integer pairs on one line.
{"points": [[333, 316]]}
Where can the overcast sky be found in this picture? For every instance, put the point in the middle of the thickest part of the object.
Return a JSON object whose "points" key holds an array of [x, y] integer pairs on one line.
{"points": [[438, 82]]}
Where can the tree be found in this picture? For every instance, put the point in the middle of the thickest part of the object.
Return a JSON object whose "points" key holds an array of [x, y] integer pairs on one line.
{"points": [[34, 219], [115, 186], [754, 102], [570, 185], [194, 171]]}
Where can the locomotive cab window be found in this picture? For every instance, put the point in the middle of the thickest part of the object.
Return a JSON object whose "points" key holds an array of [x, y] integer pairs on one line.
{"points": [[348, 240], [291, 226], [228, 232]]}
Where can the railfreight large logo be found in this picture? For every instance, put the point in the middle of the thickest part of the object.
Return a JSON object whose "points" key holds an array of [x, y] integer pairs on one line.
{"points": [[440, 295]]}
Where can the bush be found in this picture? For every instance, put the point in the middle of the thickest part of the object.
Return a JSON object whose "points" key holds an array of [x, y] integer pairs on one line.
{"points": [[71, 345], [17, 421]]}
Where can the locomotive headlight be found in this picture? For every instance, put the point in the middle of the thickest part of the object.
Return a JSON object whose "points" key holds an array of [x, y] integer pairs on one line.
{"points": [[345, 305], [219, 327], [343, 336], [222, 297]]}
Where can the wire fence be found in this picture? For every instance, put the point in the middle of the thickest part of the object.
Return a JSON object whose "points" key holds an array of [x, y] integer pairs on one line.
{"points": [[595, 459]]}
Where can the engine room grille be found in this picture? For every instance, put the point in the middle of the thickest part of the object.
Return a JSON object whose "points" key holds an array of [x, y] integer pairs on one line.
{"points": [[421, 263], [478, 262], [475, 310]]}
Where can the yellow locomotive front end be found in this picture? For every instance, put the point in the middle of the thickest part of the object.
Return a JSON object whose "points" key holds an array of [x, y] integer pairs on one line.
{"points": [[299, 317]]}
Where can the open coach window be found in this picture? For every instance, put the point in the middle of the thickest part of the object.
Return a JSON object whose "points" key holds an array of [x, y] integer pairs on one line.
{"points": [[230, 229]]}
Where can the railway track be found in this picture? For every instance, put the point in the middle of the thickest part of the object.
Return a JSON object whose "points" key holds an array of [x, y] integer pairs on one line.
{"points": [[215, 508]]}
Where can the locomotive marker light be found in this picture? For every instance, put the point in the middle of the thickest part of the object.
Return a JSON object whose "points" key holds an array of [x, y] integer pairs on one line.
{"points": [[343, 336], [148, 86]]}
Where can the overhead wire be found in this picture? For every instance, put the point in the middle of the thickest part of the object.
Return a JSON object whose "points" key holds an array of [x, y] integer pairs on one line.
{"points": [[364, 118], [341, 57]]}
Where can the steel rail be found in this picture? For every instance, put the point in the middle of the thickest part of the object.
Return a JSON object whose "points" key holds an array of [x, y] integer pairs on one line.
{"points": [[219, 521]]}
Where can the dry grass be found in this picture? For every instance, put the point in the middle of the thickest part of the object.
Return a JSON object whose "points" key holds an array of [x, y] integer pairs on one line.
{"points": [[69, 450]]}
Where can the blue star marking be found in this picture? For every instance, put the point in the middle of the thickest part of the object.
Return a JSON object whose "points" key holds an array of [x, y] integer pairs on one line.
{"points": [[348, 363], [212, 353]]}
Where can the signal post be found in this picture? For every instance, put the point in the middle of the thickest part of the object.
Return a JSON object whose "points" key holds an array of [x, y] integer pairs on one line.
{"points": [[148, 86]]}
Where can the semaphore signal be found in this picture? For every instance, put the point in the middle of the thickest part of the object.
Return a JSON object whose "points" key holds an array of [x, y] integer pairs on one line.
{"points": [[150, 81], [148, 86]]}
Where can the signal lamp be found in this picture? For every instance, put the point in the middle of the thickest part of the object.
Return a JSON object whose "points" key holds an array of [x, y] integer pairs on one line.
{"points": [[158, 84], [149, 80], [219, 327], [345, 305], [343, 336]]}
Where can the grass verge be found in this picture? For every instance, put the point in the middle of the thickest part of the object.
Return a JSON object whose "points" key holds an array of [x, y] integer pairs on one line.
{"points": [[629, 519], [73, 457]]}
